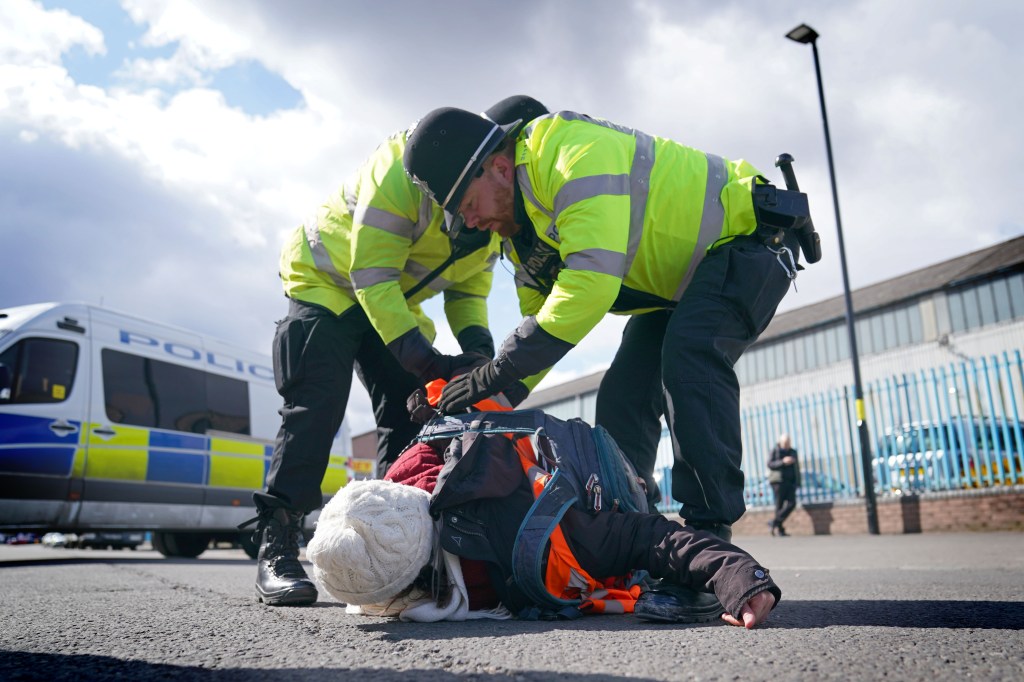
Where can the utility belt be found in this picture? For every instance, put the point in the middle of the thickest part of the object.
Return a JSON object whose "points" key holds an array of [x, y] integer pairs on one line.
{"points": [[781, 210]]}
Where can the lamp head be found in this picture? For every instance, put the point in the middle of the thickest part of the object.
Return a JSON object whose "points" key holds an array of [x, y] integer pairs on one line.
{"points": [[803, 34]]}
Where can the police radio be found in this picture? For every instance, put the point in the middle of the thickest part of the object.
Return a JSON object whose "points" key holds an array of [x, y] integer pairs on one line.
{"points": [[778, 210]]}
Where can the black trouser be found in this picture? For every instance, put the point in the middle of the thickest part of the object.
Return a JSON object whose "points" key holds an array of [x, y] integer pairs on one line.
{"points": [[314, 354], [692, 350], [614, 543], [630, 400], [785, 500]]}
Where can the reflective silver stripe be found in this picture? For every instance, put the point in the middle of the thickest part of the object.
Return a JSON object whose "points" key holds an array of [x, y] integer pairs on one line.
{"points": [[711, 218], [580, 189], [466, 168], [523, 177], [520, 275], [384, 220], [524, 278], [574, 116], [321, 259], [426, 215], [597, 260], [639, 186], [461, 295], [639, 183], [577, 580], [529, 129], [367, 277], [418, 272]]}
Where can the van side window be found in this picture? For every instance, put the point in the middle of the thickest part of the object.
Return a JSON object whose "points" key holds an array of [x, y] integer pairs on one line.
{"points": [[41, 370], [126, 389], [145, 392], [228, 402]]}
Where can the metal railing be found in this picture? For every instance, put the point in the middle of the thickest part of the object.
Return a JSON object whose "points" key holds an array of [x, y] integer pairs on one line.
{"points": [[952, 427]]}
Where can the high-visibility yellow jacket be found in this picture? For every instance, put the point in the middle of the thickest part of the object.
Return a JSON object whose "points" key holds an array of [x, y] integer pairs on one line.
{"points": [[621, 220], [376, 238]]}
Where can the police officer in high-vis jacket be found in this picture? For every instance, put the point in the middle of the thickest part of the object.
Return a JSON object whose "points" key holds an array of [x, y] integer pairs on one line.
{"points": [[601, 218], [355, 273]]}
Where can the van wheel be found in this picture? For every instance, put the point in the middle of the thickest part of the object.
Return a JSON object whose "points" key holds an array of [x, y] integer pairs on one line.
{"points": [[252, 549], [181, 545]]}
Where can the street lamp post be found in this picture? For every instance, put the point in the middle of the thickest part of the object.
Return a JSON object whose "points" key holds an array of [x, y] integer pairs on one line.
{"points": [[805, 34]]}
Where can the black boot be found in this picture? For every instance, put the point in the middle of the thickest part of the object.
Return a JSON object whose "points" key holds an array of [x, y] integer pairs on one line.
{"points": [[670, 603], [280, 578], [782, 531], [773, 525]]}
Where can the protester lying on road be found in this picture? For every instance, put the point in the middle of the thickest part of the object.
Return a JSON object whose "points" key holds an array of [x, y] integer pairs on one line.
{"points": [[443, 538]]}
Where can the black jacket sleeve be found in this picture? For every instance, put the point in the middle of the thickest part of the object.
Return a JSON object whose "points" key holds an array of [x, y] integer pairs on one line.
{"points": [[610, 544], [476, 339]]}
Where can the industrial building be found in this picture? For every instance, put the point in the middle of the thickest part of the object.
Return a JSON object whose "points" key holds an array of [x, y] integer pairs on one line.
{"points": [[940, 356], [955, 327]]}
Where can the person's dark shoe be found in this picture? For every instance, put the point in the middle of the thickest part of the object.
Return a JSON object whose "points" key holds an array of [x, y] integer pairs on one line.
{"points": [[280, 578], [773, 527], [722, 530], [677, 604], [782, 531]]}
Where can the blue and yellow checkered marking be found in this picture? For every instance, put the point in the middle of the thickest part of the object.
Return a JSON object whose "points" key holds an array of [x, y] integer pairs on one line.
{"points": [[29, 446]]}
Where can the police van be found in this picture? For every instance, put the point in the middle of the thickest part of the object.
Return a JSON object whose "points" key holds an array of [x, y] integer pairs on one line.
{"points": [[112, 422]]}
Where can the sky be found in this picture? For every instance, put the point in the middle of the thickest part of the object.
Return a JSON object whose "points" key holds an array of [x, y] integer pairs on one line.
{"points": [[154, 154]]}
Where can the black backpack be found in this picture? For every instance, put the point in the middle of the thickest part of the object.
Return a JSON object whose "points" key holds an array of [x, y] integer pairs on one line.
{"points": [[588, 469]]}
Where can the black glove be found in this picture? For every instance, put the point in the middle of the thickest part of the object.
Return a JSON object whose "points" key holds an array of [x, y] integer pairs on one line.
{"points": [[420, 411], [516, 393], [420, 359], [464, 391]]}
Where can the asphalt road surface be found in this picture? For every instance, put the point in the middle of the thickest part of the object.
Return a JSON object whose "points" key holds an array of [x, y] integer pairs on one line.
{"points": [[896, 607]]}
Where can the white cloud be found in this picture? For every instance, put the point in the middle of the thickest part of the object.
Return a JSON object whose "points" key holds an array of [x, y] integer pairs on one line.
{"points": [[192, 141], [922, 96], [30, 34], [205, 40], [253, 176], [203, 43], [178, 69]]}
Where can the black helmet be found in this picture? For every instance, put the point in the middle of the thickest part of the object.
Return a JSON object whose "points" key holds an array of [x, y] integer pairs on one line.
{"points": [[446, 150], [521, 108]]}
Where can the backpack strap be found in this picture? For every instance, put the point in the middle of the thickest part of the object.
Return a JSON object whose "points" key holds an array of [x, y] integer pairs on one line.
{"points": [[532, 541], [453, 426], [443, 427]]}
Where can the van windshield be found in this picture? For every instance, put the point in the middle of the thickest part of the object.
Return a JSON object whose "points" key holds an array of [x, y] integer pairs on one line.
{"points": [[40, 370]]}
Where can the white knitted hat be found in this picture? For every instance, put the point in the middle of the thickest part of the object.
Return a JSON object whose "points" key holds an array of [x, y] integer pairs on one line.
{"points": [[371, 541]]}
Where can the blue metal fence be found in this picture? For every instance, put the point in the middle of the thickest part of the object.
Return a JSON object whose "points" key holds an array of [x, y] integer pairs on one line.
{"points": [[952, 427]]}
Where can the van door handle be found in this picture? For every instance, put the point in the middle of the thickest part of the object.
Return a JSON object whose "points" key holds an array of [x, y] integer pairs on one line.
{"points": [[105, 432], [62, 428]]}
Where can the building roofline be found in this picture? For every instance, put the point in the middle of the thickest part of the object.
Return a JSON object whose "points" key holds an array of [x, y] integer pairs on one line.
{"points": [[566, 389], [1004, 256]]}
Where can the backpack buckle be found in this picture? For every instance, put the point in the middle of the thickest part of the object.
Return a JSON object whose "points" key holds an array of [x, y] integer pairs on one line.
{"points": [[594, 493]]}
